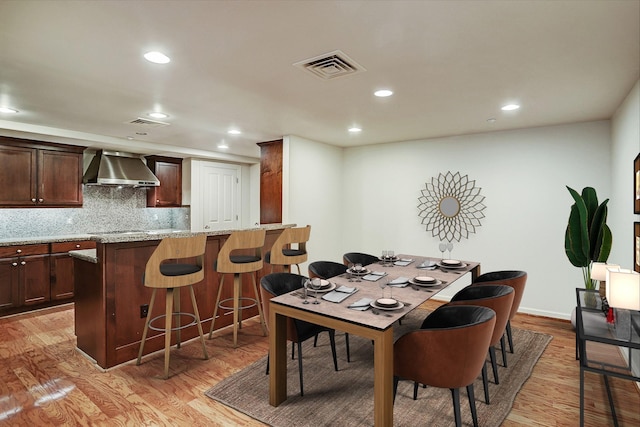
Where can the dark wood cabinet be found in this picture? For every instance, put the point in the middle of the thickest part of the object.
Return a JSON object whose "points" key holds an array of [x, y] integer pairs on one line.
{"points": [[35, 280], [25, 275], [271, 182], [9, 293], [62, 278], [169, 172], [39, 174]]}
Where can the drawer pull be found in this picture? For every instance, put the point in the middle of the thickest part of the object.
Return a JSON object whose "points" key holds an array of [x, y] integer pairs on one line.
{"points": [[19, 251], [15, 264], [77, 246], [23, 263]]}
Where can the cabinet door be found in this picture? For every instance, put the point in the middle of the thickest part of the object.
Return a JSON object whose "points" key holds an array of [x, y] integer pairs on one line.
{"points": [[169, 171], [35, 279], [60, 178], [17, 176], [61, 277], [9, 283]]}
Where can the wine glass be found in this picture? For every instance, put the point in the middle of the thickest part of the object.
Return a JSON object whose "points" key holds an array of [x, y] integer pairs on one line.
{"points": [[390, 256], [350, 271], [305, 285], [449, 247], [443, 247], [382, 283], [384, 256], [357, 269], [316, 284]]}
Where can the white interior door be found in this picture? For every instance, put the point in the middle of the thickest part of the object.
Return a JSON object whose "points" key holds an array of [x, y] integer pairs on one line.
{"points": [[219, 193]]}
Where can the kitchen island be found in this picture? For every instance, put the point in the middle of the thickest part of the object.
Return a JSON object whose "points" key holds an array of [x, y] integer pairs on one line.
{"points": [[110, 298]]}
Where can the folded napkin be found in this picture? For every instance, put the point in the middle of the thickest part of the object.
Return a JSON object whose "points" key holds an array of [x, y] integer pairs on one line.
{"points": [[400, 282], [338, 295], [362, 304], [427, 265], [374, 275], [403, 262], [346, 289]]}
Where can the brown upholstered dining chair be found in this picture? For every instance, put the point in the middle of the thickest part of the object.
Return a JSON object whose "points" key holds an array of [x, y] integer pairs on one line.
{"points": [[517, 280], [359, 258], [326, 270], [499, 298], [283, 253], [170, 268], [298, 331], [448, 351]]}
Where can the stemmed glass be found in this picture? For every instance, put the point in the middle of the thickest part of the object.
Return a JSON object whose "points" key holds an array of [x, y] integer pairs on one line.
{"points": [[350, 271], [357, 269], [382, 285], [449, 247], [305, 285], [390, 255], [384, 256], [443, 247], [316, 283]]}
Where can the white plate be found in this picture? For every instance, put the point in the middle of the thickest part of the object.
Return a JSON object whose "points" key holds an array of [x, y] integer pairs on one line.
{"points": [[387, 302], [451, 262], [392, 259], [362, 272], [311, 291], [397, 307], [426, 285], [324, 284], [453, 267]]}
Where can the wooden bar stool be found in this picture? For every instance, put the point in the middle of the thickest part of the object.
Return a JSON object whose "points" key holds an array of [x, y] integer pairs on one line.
{"points": [[236, 265], [282, 253], [172, 276]]}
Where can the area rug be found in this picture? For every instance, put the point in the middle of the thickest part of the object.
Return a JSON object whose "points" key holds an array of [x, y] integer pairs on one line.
{"points": [[345, 398]]}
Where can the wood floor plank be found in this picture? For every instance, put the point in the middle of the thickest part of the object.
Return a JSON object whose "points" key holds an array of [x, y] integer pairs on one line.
{"points": [[45, 381]]}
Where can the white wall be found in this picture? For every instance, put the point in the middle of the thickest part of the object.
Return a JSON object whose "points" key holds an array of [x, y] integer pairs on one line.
{"points": [[522, 174]]}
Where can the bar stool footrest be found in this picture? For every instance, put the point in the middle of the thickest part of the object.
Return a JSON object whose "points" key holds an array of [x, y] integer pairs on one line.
{"points": [[174, 328], [253, 303]]}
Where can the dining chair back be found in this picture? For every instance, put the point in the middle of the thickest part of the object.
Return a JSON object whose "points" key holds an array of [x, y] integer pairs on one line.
{"points": [[298, 331], [289, 248], [517, 279], [499, 298], [240, 253], [359, 258], [175, 263], [448, 351]]}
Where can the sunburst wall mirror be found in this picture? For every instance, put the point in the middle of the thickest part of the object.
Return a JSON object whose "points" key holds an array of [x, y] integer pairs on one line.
{"points": [[451, 206]]}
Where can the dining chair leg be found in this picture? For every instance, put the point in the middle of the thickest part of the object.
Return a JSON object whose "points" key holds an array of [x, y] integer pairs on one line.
{"points": [[259, 304], [332, 338], [415, 390], [485, 383], [267, 370], [494, 364], [509, 336], [503, 348], [300, 367], [346, 342], [396, 379], [472, 404], [455, 393]]}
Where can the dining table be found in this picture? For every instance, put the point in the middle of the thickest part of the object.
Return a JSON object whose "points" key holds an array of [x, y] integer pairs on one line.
{"points": [[349, 303]]}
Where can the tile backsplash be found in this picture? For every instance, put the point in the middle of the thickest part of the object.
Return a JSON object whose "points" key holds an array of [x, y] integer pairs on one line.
{"points": [[104, 209]]}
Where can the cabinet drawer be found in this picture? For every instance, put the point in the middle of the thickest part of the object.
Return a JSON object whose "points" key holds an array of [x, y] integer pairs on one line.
{"points": [[22, 250], [72, 246]]}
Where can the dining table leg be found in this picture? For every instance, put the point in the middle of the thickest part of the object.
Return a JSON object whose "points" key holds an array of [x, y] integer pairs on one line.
{"points": [[277, 358], [383, 378]]}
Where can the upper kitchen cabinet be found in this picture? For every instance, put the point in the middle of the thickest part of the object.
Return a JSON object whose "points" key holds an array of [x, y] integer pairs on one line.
{"points": [[271, 182], [40, 174], [169, 171]]}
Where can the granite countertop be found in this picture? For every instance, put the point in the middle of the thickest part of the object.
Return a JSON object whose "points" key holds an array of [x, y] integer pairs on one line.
{"points": [[124, 236]]}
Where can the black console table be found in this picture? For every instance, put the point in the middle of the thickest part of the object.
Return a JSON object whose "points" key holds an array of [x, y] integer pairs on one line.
{"points": [[592, 327]]}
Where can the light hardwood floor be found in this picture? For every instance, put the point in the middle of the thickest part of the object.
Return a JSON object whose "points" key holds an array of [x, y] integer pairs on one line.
{"points": [[44, 380]]}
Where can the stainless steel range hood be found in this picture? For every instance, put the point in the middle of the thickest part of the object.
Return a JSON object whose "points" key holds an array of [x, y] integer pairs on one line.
{"points": [[118, 168]]}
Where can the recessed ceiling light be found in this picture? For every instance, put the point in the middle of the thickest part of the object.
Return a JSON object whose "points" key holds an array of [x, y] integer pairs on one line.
{"points": [[382, 93], [158, 115], [8, 110], [157, 57], [355, 129], [234, 132], [223, 145], [510, 107]]}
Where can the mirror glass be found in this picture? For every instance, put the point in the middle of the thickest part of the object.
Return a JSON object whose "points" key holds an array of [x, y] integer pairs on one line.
{"points": [[449, 206]]}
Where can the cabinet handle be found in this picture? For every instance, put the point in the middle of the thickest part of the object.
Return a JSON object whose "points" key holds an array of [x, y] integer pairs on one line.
{"points": [[158, 201], [15, 264], [77, 246], [206, 227], [40, 200], [33, 200], [23, 263], [19, 251]]}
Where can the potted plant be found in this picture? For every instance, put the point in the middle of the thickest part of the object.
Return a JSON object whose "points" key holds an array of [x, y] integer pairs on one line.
{"points": [[587, 238]]}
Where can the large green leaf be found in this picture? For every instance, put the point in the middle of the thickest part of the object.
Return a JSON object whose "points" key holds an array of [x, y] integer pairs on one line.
{"points": [[605, 245], [596, 230], [591, 202], [578, 227]]}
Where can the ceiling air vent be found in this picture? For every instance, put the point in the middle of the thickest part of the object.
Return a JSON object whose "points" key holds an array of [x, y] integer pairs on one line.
{"points": [[331, 65], [147, 122]]}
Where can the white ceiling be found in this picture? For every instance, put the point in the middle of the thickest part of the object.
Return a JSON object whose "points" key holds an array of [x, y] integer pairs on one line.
{"points": [[75, 69]]}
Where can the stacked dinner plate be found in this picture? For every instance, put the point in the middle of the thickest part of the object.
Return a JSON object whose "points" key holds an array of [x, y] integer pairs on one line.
{"points": [[453, 263], [387, 302], [425, 280]]}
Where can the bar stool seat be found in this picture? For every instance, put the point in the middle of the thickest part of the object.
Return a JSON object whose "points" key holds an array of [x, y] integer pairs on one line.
{"points": [[282, 253], [160, 274], [237, 264]]}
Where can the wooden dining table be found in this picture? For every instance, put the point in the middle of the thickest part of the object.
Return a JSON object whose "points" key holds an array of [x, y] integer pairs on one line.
{"points": [[373, 323]]}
